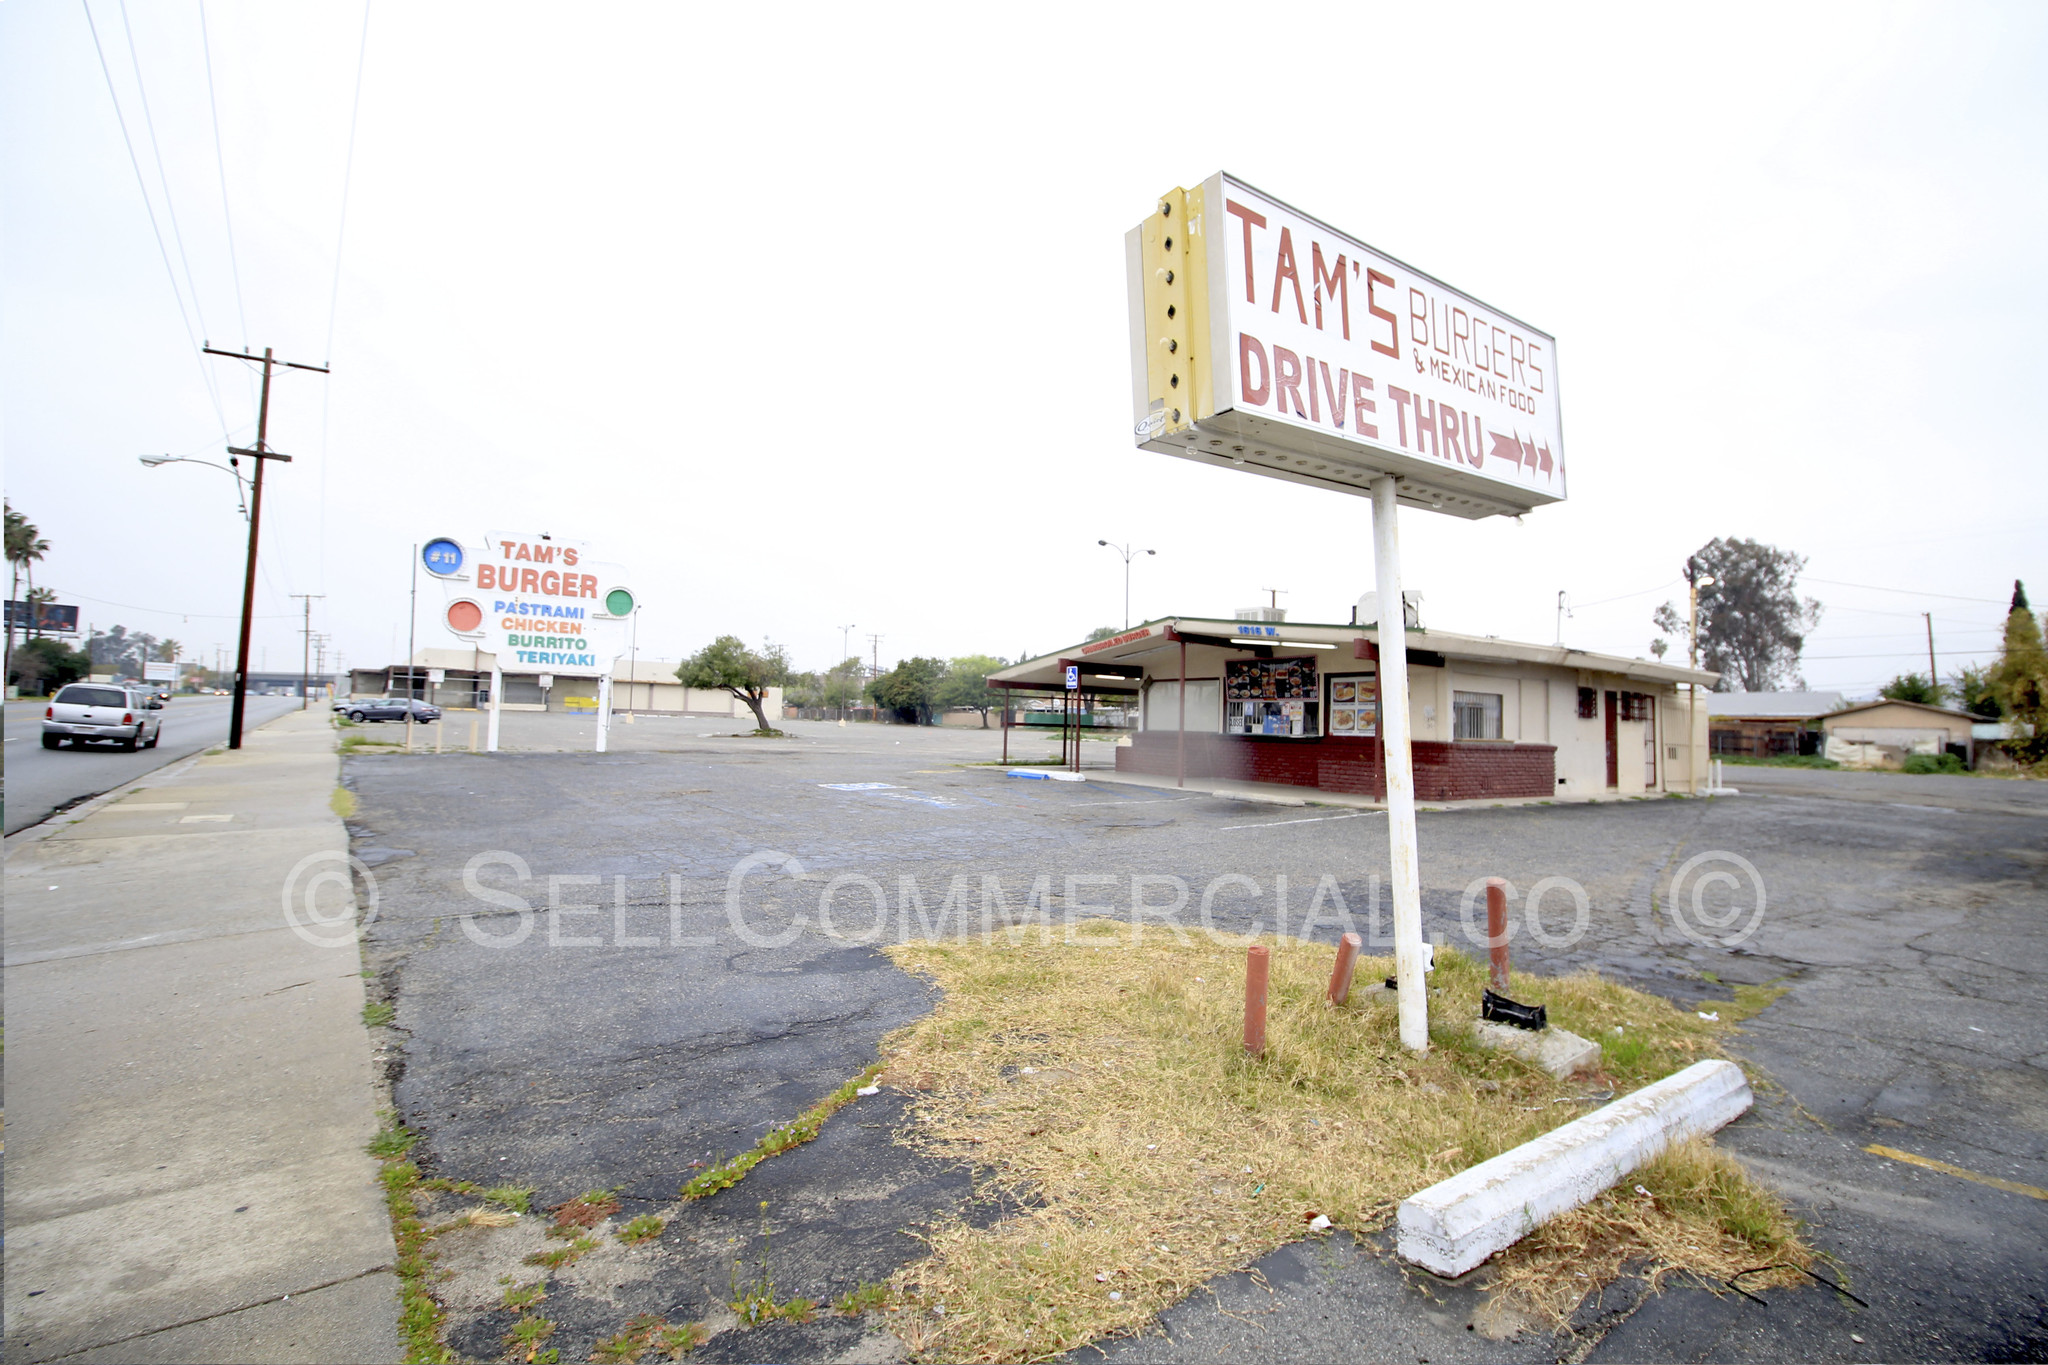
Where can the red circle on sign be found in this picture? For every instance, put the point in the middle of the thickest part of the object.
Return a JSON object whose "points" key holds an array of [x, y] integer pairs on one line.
{"points": [[464, 616]]}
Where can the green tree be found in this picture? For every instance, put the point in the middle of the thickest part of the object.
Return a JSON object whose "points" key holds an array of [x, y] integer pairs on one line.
{"points": [[1911, 687], [1753, 623], [1970, 685], [910, 689], [804, 689], [727, 665], [966, 684], [2019, 680], [842, 682], [44, 665], [1101, 633]]}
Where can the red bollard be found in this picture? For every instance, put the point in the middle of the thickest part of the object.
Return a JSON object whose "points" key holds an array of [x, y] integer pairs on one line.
{"points": [[1497, 935], [1258, 958], [1347, 962]]}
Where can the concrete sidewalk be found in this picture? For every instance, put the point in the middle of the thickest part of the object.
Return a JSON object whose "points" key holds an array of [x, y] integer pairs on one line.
{"points": [[189, 1079]]}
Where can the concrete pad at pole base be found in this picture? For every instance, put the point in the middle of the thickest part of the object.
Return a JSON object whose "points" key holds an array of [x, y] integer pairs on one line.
{"points": [[1455, 1224], [1559, 1051]]}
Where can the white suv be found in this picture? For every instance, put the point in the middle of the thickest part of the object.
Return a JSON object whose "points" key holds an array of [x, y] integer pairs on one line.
{"points": [[81, 712]]}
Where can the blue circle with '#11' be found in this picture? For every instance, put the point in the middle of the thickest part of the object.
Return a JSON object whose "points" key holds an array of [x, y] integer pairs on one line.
{"points": [[442, 557]]}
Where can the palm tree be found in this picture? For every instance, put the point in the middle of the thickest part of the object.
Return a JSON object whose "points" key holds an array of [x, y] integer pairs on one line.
{"points": [[37, 599], [167, 651], [25, 545]]}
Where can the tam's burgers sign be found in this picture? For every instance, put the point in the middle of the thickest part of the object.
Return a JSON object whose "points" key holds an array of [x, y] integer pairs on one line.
{"points": [[540, 604]]}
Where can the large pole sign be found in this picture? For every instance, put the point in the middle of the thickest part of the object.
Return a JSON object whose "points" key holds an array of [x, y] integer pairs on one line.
{"points": [[1268, 341], [538, 603]]}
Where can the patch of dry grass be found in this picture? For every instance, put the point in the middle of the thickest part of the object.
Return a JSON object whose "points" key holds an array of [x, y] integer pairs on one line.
{"points": [[1107, 1090], [1691, 1208]]}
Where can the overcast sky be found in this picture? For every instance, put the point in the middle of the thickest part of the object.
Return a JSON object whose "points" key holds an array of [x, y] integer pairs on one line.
{"points": [[816, 316]]}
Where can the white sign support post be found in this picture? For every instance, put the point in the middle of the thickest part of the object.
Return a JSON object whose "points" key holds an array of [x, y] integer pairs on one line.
{"points": [[1268, 342], [497, 692], [604, 710], [1393, 680]]}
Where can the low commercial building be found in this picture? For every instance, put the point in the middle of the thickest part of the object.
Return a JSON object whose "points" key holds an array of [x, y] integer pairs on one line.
{"points": [[1767, 724], [1883, 734], [458, 679], [1298, 705]]}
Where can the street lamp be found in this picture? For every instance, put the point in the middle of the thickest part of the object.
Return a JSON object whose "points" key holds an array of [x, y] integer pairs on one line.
{"points": [[1128, 553], [152, 461]]}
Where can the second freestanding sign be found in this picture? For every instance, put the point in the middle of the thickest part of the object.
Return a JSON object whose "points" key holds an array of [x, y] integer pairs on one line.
{"points": [[538, 605], [1266, 341]]}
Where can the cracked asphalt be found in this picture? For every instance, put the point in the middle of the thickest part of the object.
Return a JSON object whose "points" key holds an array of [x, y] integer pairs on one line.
{"points": [[635, 1027]]}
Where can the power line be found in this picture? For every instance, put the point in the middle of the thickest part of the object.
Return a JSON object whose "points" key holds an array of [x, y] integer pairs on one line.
{"points": [[156, 151], [1588, 606], [348, 168], [334, 292], [221, 165], [150, 208], [1904, 592], [172, 611]]}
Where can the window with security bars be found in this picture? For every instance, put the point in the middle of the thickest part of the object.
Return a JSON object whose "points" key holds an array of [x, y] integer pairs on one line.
{"points": [[1635, 706], [1589, 704], [1475, 715]]}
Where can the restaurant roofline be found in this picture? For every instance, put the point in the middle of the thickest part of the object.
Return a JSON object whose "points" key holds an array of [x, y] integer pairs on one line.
{"points": [[1155, 634]]}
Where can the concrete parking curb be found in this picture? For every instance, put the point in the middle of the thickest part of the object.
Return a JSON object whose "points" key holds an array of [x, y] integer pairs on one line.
{"points": [[1455, 1224]]}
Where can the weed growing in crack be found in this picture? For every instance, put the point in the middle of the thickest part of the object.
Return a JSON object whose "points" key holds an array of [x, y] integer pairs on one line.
{"points": [[756, 1303], [526, 1335], [870, 1297], [723, 1174], [644, 1228], [564, 1255], [649, 1333]]}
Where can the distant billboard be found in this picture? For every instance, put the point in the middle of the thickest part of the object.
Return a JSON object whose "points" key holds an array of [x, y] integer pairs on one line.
{"points": [[540, 604], [1267, 341], [49, 618]]}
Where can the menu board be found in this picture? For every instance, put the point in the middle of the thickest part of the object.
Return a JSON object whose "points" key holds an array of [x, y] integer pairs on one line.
{"points": [[1271, 697], [1354, 705]]}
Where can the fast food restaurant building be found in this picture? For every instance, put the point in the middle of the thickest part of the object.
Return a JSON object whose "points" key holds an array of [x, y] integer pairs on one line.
{"points": [[1297, 705]]}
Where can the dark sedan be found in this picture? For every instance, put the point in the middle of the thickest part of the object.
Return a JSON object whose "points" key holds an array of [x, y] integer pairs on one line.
{"points": [[391, 708]]}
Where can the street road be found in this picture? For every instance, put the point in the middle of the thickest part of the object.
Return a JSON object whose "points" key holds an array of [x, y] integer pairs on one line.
{"points": [[40, 781]]}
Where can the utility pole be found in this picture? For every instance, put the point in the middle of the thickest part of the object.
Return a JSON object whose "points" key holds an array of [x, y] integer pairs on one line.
{"points": [[1694, 581], [1560, 617], [261, 454], [875, 641], [306, 655], [412, 621], [843, 657], [1933, 678]]}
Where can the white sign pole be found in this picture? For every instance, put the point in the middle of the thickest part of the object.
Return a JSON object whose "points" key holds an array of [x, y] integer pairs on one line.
{"points": [[1393, 668], [497, 692], [604, 710]]}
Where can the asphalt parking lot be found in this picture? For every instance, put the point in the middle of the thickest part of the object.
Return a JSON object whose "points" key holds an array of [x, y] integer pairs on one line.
{"points": [[612, 1046]]}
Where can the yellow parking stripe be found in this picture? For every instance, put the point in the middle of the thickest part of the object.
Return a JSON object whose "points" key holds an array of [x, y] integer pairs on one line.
{"points": [[2009, 1186]]}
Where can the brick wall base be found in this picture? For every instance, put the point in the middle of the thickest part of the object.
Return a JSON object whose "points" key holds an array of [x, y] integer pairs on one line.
{"points": [[1443, 772]]}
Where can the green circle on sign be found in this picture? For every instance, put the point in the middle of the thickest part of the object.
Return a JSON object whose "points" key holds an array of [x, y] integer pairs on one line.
{"points": [[619, 602]]}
